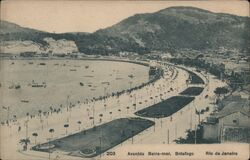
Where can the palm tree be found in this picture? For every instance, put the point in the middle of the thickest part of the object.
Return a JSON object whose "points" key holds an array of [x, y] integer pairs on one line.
{"points": [[27, 114], [39, 113], [51, 131], [26, 126], [25, 143], [51, 109], [105, 106], [119, 110], [110, 115], [79, 122], [66, 126], [35, 135], [40, 116], [127, 109], [92, 118], [100, 115], [14, 117]]}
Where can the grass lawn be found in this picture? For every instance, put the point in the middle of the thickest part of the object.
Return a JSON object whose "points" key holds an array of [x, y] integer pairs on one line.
{"points": [[99, 139], [195, 79], [192, 91], [165, 108]]}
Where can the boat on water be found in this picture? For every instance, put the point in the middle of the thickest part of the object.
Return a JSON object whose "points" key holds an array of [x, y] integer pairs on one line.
{"points": [[11, 86], [108, 83], [118, 78], [89, 76], [38, 85], [42, 64], [17, 86], [131, 76], [24, 101]]}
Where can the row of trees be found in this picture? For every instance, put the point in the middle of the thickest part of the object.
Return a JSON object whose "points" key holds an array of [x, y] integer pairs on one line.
{"points": [[236, 80]]}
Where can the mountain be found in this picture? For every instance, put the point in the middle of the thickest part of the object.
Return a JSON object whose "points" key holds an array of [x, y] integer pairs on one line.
{"points": [[181, 27], [16, 39], [170, 29]]}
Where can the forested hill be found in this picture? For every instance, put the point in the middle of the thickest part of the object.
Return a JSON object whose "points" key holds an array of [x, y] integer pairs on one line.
{"points": [[170, 29]]}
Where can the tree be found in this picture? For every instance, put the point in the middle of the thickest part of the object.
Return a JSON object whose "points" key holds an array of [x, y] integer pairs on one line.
{"points": [[66, 126], [110, 115], [27, 114], [221, 90], [127, 109], [193, 137], [35, 135], [50, 131], [119, 110], [100, 115], [25, 143], [79, 123], [40, 113]]}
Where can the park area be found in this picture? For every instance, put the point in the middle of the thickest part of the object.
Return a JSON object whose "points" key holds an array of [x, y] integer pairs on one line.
{"points": [[165, 108], [192, 91], [94, 141], [194, 78]]}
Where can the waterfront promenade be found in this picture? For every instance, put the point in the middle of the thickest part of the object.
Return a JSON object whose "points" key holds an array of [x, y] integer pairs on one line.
{"points": [[164, 132]]}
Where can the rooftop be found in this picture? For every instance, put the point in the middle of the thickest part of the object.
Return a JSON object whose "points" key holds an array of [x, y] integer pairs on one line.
{"points": [[235, 106]]}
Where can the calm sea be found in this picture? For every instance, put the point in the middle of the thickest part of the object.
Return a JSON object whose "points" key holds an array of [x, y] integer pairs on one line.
{"points": [[63, 81]]}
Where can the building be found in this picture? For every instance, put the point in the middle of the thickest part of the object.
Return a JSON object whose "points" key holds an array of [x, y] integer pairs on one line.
{"points": [[231, 124]]}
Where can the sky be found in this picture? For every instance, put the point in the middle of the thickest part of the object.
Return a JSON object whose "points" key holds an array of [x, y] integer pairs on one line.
{"points": [[89, 16]]}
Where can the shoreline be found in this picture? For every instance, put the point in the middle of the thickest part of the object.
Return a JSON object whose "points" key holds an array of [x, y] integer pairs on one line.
{"points": [[116, 105], [153, 79]]}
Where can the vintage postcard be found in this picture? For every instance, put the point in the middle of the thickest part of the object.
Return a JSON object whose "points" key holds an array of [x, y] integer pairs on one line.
{"points": [[124, 80]]}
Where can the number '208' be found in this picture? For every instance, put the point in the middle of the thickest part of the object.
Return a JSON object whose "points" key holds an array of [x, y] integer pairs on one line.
{"points": [[110, 153]]}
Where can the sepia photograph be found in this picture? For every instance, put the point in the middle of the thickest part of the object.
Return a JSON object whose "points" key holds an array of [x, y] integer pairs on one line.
{"points": [[121, 80]]}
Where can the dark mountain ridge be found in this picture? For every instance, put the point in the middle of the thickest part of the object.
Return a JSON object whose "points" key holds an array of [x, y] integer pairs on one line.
{"points": [[167, 30]]}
